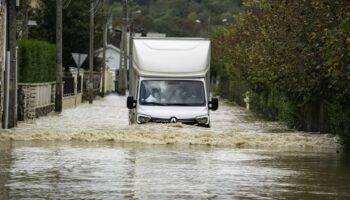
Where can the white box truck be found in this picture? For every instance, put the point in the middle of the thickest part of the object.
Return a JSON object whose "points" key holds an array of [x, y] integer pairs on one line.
{"points": [[169, 81]]}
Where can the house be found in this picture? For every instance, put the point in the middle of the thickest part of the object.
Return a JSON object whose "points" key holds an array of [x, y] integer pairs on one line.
{"points": [[112, 56], [112, 65]]}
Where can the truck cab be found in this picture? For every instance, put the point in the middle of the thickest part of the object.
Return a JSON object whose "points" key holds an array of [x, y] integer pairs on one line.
{"points": [[169, 81]]}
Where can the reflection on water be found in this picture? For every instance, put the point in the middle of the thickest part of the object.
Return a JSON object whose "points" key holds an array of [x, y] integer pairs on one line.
{"points": [[75, 170], [91, 152]]}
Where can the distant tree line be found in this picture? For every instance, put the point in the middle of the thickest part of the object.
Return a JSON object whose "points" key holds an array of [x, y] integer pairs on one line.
{"points": [[292, 59], [178, 17], [175, 18]]}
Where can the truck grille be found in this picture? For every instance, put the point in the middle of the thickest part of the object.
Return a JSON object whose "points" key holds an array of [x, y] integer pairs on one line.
{"points": [[162, 120]]}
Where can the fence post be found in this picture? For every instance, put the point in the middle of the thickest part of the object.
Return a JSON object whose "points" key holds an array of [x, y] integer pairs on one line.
{"points": [[75, 89]]}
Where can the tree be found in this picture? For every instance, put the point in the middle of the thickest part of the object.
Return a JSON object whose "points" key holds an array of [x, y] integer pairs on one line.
{"points": [[294, 57], [178, 17], [75, 27]]}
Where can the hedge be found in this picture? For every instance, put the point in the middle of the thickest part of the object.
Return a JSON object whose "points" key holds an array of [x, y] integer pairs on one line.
{"points": [[36, 61]]}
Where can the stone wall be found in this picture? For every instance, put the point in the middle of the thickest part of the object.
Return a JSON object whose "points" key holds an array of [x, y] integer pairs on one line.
{"points": [[28, 107], [26, 102]]}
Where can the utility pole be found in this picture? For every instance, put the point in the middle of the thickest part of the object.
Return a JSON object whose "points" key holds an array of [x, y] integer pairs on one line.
{"points": [[25, 19], [6, 73], [58, 100], [209, 26], [104, 47], [91, 54], [123, 47], [11, 74], [131, 35], [126, 22]]}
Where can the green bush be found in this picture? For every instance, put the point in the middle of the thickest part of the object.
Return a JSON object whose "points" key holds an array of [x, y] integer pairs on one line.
{"points": [[339, 121], [36, 61], [274, 105]]}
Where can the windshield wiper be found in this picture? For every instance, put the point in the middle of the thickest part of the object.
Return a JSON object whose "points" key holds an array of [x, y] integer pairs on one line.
{"points": [[180, 104], [155, 103], [171, 104]]}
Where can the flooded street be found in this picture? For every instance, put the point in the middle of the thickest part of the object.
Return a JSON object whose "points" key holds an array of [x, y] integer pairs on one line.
{"points": [[91, 152]]}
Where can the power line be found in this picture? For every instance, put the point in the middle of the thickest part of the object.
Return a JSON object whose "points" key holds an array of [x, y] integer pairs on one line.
{"points": [[66, 4], [93, 9], [97, 8]]}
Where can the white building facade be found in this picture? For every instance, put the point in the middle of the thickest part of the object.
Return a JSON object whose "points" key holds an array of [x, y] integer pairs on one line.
{"points": [[112, 56], [112, 64]]}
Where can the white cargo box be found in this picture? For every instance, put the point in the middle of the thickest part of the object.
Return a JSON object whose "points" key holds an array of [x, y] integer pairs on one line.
{"points": [[171, 57]]}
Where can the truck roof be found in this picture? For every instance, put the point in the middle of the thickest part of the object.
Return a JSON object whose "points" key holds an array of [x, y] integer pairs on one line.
{"points": [[171, 57]]}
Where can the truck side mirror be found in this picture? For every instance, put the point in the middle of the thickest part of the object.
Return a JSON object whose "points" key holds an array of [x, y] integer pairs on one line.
{"points": [[130, 102], [214, 103]]}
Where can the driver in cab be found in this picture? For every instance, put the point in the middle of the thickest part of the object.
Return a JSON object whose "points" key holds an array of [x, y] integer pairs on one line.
{"points": [[154, 97]]}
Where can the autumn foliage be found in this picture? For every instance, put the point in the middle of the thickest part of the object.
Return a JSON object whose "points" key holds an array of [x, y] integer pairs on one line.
{"points": [[294, 59]]}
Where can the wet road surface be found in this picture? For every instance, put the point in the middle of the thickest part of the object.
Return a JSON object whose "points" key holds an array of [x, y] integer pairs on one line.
{"points": [[91, 152]]}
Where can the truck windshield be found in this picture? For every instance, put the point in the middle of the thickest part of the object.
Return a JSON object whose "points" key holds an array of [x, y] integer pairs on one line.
{"points": [[172, 93]]}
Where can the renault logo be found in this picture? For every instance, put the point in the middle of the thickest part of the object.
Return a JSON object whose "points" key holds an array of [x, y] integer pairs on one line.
{"points": [[173, 120]]}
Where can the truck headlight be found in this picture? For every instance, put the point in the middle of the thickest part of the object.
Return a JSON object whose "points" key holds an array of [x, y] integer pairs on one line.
{"points": [[143, 118], [203, 119]]}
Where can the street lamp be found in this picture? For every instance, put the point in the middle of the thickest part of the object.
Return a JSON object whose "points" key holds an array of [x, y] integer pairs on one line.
{"points": [[131, 23], [208, 28], [138, 12], [209, 24]]}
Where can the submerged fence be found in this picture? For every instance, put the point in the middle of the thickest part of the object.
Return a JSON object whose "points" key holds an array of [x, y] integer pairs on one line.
{"points": [[72, 88], [35, 99], [317, 115], [68, 86], [38, 99]]}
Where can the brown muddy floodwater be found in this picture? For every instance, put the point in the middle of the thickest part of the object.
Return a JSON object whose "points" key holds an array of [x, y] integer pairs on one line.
{"points": [[90, 152]]}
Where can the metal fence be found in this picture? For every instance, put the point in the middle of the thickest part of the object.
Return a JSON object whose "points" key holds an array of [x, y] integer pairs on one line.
{"points": [[69, 85], [35, 99], [79, 84], [43, 95]]}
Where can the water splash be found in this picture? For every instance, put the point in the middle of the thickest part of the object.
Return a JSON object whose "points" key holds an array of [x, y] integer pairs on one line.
{"points": [[106, 120]]}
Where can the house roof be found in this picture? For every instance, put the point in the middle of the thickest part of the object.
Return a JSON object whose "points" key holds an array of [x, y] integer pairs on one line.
{"points": [[109, 46]]}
